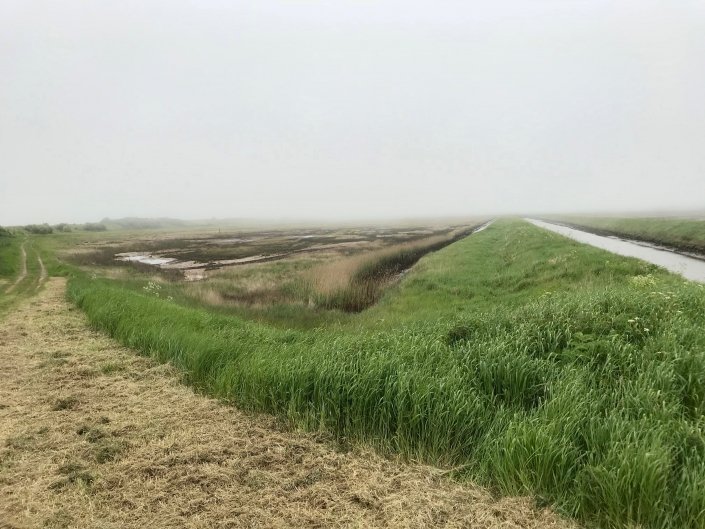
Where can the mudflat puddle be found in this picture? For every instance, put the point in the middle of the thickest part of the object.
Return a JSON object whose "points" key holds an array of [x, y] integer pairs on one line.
{"points": [[144, 258], [192, 270], [689, 267]]}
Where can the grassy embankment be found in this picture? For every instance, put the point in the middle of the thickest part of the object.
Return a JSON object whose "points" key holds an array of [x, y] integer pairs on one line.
{"points": [[680, 234], [515, 356], [357, 283]]}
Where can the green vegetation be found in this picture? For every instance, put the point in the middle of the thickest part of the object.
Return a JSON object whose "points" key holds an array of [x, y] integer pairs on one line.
{"points": [[21, 260], [94, 226], [361, 285], [17, 280], [515, 356], [9, 255], [681, 234], [39, 229]]}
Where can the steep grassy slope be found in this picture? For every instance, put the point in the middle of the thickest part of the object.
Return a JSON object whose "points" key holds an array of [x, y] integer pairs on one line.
{"points": [[517, 356]]}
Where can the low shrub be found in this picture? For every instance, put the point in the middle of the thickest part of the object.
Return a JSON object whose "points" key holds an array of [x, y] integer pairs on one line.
{"points": [[39, 229], [94, 226]]}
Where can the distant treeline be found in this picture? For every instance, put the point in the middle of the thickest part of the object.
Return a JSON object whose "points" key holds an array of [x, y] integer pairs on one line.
{"points": [[4, 232], [39, 229], [45, 229], [94, 226], [138, 223]]}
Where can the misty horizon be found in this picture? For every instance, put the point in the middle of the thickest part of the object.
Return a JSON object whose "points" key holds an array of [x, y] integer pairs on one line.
{"points": [[345, 111], [692, 213]]}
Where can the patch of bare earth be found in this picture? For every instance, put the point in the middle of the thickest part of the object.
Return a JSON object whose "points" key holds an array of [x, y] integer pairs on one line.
{"points": [[92, 435]]}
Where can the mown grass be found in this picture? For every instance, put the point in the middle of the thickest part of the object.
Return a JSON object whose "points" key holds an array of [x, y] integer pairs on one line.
{"points": [[520, 358], [680, 234]]}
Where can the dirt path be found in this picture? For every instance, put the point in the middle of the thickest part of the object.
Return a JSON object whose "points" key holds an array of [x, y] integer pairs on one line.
{"points": [[23, 270], [92, 435]]}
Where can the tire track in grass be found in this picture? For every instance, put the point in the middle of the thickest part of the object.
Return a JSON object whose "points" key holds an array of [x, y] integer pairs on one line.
{"points": [[43, 271]]}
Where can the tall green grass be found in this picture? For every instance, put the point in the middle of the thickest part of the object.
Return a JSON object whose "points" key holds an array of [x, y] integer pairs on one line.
{"points": [[520, 358]]}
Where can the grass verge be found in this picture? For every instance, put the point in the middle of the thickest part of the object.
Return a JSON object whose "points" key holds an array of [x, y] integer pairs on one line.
{"points": [[679, 234]]}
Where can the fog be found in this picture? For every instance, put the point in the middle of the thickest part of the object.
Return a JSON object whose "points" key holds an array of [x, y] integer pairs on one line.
{"points": [[349, 108]]}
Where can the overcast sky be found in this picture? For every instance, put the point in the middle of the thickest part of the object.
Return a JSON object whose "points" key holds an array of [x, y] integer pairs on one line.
{"points": [[349, 108]]}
